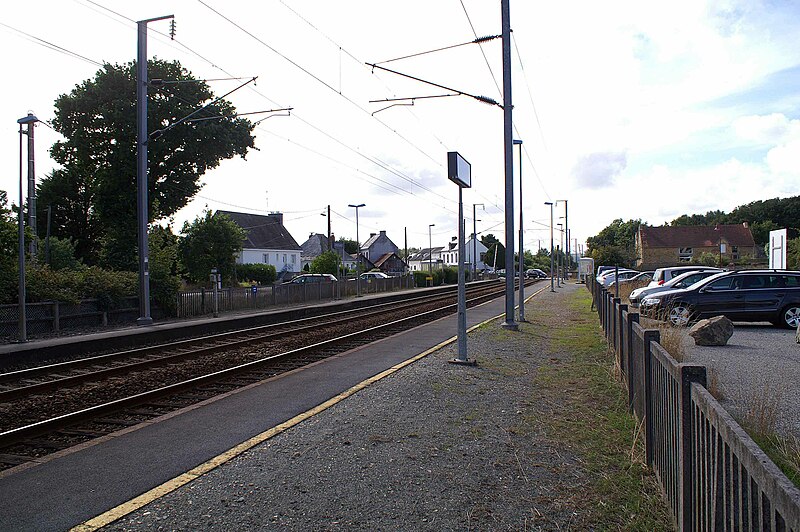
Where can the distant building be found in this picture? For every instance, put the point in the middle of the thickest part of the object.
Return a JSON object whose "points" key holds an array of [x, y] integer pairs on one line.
{"points": [[425, 258], [316, 245], [658, 247], [450, 255], [377, 245], [267, 242]]}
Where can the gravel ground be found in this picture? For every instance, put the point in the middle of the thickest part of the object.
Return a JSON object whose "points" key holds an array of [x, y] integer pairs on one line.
{"points": [[758, 369], [432, 447]]}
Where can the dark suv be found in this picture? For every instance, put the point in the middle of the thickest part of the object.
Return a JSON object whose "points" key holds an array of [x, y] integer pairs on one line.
{"points": [[746, 295]]}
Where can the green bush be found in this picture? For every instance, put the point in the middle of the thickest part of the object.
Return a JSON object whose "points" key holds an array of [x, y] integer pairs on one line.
{"points": [[70, 286], [259, 273], [450, 275]]}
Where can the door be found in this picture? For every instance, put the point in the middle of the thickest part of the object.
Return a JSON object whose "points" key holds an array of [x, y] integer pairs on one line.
{"points": [[763, 295], [721, 297]]}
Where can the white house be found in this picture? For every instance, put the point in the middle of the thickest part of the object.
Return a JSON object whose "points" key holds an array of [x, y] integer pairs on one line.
{"points": [[450, 255], [267, 242], [425, 258]]}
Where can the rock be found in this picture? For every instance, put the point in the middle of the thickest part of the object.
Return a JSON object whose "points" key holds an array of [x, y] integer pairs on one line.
{"points": [[712, 331]]}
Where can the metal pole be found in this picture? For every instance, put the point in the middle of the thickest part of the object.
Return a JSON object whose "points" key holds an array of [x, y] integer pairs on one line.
{"points": [[33, 244], [141, 175], [521, 247], [509, 165], [552, 289], [22, 334], [462, 292], [559, 270], [358, 252], [566, 228], [430, 251]]}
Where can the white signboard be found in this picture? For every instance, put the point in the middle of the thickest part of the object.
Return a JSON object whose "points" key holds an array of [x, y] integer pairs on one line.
{"points": [[777, 249]]}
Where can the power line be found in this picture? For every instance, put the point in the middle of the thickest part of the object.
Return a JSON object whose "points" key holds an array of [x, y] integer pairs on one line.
{"points": [[51, 46]]}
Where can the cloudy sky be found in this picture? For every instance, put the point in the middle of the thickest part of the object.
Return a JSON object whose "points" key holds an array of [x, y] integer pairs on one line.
{"points": [[625, 110]]}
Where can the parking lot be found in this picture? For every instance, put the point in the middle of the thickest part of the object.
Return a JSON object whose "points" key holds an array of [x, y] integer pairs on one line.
{"points": [[758, 369]]}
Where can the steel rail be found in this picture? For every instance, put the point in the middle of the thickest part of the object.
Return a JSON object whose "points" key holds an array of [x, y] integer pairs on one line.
{"points": [[39, 428]]}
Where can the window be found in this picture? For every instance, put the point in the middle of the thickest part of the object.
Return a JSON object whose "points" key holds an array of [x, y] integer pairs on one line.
{"points": [[266, 258], [284, 258], [294, 259], [726, 283], [735, 252], [684, 254], [756, 281]]}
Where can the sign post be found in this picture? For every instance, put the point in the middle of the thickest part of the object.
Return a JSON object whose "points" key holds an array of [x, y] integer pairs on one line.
{"points": [[777, 249], [459, 171]]}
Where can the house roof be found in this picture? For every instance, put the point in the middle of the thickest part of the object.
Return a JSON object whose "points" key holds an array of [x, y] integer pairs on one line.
{"points": [[264, 232], [695, 236], [425, 253], [315, 246], [386, 256]]}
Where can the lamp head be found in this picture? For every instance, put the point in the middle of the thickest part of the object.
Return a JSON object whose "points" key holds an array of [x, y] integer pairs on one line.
{"points": [[516, 142], [30, 119]]}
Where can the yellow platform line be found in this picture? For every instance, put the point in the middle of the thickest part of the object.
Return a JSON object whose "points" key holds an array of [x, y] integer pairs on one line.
{"points": [[108, 517]]}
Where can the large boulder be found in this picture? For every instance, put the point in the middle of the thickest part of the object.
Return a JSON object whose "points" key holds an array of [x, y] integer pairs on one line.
{"points": [[712, 331]]}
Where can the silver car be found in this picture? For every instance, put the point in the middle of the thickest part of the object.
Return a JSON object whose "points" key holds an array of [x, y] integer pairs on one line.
{"points": [[683, 280]]}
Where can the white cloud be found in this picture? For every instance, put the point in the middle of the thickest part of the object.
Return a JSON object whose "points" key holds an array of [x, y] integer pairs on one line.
{"points": [[598, 170], [765, 129]]}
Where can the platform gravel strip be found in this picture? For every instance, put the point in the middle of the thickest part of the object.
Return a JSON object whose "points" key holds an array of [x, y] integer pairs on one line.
{"points": [[432, 447]]}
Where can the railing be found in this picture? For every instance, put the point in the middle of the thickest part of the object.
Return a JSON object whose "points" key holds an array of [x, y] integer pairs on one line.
{"points": [[713, 474], [53, 316], [200, 302]]}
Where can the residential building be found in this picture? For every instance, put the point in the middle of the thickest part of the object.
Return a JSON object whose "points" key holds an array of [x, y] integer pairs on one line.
{"points": [[425, 258], [267, 242], [450, 255], [316, 245], [378, 245], [657, 247]]}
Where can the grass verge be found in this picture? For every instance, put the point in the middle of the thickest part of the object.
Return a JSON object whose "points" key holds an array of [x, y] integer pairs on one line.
{"points": [[591, 417]]}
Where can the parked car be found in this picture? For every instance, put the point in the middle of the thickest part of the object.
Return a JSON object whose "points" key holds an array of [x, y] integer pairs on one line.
{"points": [[744, 295], [612, 275], [662, 275], [684, 280], [374, 275], [636, 280], [313, 278], [535, 273]]}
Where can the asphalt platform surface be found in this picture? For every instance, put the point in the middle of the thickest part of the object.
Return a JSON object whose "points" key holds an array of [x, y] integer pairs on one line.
{"points": [[387, 431]]}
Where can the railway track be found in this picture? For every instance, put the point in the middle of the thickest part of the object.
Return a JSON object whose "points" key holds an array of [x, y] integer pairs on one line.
{"points": [[45, 409]]}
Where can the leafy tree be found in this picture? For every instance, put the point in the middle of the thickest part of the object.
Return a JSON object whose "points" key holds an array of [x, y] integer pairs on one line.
{"points": [[165, 268], [210, 241], [9, 247], [611, 256], [61, 255], [615, 243], [793, 254], [94, 195], [350, 246], [327, 262], [706, 259], [494, 247]]}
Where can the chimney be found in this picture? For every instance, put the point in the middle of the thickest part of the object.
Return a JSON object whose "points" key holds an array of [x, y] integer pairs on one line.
{"points": [[746, 225], [383, 233], [276, 216], [371, 235]]}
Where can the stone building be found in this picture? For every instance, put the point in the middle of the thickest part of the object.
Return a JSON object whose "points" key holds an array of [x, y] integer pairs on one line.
{"points": [[657, 247]]}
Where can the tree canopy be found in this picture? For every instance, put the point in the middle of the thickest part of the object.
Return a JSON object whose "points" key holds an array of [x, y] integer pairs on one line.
{"points": [[93, 195], [210, 242]]}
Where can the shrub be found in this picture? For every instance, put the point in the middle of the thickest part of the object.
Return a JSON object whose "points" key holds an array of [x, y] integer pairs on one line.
{"points": [[70, 286], [259, 273], [450, 275]]}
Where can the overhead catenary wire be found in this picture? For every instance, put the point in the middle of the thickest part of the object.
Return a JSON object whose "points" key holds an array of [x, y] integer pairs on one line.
{"points": [[52, 46]]}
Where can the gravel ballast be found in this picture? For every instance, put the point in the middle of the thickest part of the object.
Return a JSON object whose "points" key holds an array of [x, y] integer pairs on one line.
{"points": [[434, 446]]}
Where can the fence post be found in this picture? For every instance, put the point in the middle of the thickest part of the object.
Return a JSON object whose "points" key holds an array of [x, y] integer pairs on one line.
{"points": [[650, 335], [56, 316], [632, 318], [615, 304], [689, 373], [620, 327]]}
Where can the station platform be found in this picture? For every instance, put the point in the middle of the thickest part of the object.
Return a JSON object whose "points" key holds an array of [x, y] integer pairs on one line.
{"points": [[77, 485]]}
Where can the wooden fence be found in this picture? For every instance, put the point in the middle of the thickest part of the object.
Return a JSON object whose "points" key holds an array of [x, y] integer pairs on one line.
{"points": [[713, 474]]}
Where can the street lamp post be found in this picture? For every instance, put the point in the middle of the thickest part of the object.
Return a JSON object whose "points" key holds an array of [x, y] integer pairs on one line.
{"points": [[521, 236], [551, 244], [566, 230], [560, 266], [358, 251], [430, 251], [475, 240], [30, 120]]}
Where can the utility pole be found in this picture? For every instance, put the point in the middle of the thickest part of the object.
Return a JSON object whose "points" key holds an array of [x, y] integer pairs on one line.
{"points": [[475, 240], [551, 244], [330, 243], [521, 243], [405, 245], [33, 244], [142, 205], [509, 322]]}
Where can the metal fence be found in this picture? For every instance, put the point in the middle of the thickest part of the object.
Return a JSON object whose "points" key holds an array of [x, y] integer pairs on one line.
{"points": [[200, 302], [53, 316], [713, 474]]}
